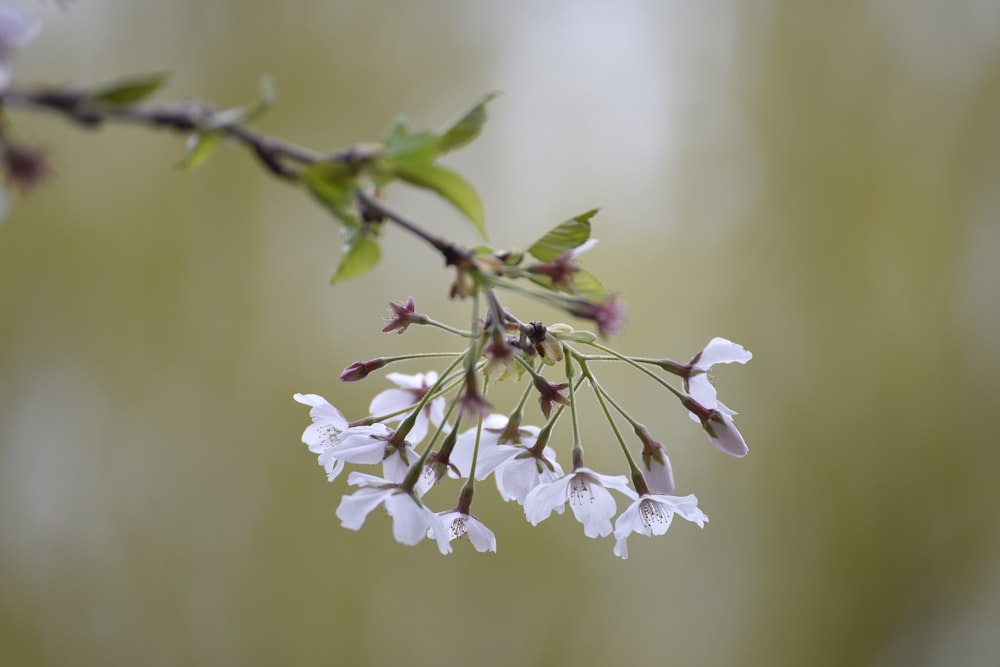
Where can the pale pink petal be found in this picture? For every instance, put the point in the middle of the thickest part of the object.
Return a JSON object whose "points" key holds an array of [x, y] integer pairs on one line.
{"points": [[519, 476], [687, 507], [361, 444], [591, 503], [357, 478], [621, 548], [409, 518], [458, 524], [394, 467], [544, 498], [440, 532], [701, 389], [722, 351], [354, 509], [392, 400], [482, 538], [331, 464], [724, 435], [658, 474]]}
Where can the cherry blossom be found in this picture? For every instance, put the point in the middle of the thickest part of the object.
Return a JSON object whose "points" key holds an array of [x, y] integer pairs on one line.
{"points": [[322, 434], [587, 494], [373, 444], [411, 389], [651, 514], [459, 523], [698, 376], [411, 519]]}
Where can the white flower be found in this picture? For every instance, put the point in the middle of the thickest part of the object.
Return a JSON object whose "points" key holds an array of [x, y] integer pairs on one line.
{"points": [[411, 519], [493, 430], [588, 496], [459, 523], [518, 469], [651, 514], [412, 389], [371, 444], [322, 434], [698, 379]]}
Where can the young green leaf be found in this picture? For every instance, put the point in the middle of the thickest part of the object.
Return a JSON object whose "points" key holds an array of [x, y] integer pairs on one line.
{"points": [[244, 114], [563, 237], [130, 91], [200, 146], [404, 145], [334, 184], [588, 286], [466, 128], [583, 284], [449, 185], [359, 256]]}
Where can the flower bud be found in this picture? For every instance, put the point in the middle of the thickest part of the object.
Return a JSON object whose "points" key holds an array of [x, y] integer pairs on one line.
{"points": [[359, 370]]}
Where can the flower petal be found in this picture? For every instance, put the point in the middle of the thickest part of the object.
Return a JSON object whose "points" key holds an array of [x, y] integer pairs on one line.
{"points": [[331, 464], [724, 435], [361, 444], [482, 538], [409, 518], [392, 400], [722, 351], [354, 508], [544, 498], [591, 503]]}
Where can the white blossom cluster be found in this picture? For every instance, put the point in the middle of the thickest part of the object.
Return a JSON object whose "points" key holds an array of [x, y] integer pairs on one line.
{"points": [[524, 472]]}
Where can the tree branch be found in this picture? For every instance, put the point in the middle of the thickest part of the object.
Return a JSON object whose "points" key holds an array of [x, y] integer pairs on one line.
{"points": [[279, 157]]}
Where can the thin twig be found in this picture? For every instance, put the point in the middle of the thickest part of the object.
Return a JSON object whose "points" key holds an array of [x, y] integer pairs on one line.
{"points": [[189, 116], [281, 158]]}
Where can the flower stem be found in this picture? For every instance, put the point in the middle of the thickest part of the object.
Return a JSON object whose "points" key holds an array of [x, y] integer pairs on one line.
{"points": [[628, 360], [577, 451], [601, 395], [670, 366]]}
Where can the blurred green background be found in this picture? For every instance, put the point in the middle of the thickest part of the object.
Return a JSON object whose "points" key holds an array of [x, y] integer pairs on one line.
{"points": [[817, 181]]}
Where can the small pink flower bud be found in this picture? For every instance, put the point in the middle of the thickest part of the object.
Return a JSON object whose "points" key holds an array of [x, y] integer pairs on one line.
{"points": [[359, 370], [722, 433], [656, 470]]}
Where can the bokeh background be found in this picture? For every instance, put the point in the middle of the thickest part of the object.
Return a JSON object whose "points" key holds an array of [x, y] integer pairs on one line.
{"points": [[817, 181]]}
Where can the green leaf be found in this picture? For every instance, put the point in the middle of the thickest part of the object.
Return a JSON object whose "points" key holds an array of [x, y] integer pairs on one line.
{"points": [[584, 284], [449, 185], [360, 255], [563, 237], [404, 145], [466, 128], [334, 184], [588, 286], [130, 91], [240, 115], [200, 146]]}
